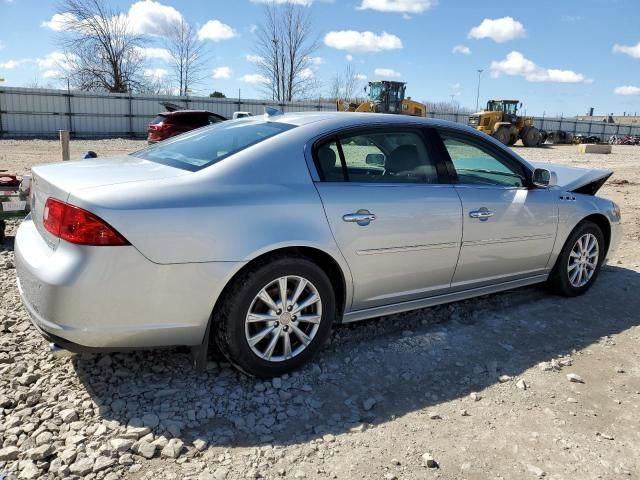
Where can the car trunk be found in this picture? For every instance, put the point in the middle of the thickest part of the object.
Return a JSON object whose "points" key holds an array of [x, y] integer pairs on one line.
{"points": [[578, 180], [59, 180]]}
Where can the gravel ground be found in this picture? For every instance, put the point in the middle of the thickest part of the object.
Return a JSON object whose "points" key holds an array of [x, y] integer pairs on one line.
{"points": [[516, 385]]}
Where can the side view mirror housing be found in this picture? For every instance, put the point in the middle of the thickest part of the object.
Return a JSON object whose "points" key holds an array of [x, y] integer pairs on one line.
{"points": [[375, 159], [544, 178]]}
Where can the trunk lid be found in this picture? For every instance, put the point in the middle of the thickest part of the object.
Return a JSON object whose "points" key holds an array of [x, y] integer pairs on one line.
{"points": [[575, 179], [59, 180]]}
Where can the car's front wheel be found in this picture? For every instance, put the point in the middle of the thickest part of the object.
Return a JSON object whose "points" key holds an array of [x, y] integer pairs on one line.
{"points": [[579, 262], [275, 316]]}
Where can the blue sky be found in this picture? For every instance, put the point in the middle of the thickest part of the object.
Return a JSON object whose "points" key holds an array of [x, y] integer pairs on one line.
{"points": [[556, 56]]}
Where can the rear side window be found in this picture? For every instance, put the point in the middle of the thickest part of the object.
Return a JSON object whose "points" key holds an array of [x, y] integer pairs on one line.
{"points": [[158, 120], [198, 149], [376, 156]]}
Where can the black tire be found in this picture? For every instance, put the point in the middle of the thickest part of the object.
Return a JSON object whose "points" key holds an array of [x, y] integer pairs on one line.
{"points": [[3, 226], [531, 137], [230, 317], [512, 140], [502, 135], [559, 280]]}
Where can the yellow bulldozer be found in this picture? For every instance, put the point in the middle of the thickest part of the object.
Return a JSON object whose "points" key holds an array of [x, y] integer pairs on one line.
{"points": [[384, 96], [501, 120]]}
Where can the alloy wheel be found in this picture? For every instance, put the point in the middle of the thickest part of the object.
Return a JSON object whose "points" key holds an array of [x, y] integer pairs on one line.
{"points": [[583, 260], [283, 318]]}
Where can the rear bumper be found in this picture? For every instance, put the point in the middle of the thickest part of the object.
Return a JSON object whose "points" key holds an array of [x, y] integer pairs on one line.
{"points": [[113, 298]]}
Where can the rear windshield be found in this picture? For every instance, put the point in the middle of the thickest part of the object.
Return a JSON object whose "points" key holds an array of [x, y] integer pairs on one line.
{"points": [[203, 147], [158, 119]]}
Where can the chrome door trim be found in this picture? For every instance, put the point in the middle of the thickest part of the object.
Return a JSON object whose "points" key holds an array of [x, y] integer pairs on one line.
{"points": [[408, 248], [469, 243], [440, 299]]}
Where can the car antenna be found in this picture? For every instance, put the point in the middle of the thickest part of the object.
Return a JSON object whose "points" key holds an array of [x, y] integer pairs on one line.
{"points": [[272, 112]]}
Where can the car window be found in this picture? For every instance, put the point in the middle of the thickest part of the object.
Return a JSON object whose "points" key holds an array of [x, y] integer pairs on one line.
{"points": [[380, 156], [476, 165], [203, 147], [213, 119]]}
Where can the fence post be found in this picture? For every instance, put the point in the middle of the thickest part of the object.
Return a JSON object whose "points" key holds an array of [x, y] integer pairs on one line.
{"points": [[1, 128], [560, 126], [542, 122], [131, 132], [69, 112], [64, 142]]}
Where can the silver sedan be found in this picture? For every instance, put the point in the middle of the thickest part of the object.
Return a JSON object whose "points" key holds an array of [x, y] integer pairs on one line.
{"points": [[256, 235]]}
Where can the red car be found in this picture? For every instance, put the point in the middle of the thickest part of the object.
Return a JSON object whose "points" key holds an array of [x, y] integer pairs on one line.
{"points": [[169, 124]]}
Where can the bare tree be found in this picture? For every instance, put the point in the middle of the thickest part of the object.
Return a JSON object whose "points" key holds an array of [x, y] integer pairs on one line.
{"points": [[345, 85], [452, 106], [188, 59], [285, 44], [102, 53]]}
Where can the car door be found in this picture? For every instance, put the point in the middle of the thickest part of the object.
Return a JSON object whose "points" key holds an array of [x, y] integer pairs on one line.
{"points": [[397, 225], [509, 226]]}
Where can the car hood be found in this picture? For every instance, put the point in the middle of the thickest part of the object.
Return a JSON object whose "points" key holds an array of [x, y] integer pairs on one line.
{"points": [[575, 179], [81, 174]]}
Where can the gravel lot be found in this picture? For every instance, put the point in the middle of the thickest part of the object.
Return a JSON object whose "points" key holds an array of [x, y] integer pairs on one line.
{"points": [[515, 385]]}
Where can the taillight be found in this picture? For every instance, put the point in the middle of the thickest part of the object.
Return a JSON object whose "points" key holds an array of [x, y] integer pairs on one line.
{"points": [[76, 225]]}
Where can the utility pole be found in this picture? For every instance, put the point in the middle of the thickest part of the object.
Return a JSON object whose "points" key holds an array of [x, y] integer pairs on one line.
{"points": [[478, 95]]}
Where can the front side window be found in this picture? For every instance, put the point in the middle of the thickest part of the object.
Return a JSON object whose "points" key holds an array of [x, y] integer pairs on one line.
{"points": [[200, 148], [477, 165], [379, 156]]}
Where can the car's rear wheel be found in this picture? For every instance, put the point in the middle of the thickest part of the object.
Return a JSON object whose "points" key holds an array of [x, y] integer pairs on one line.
{"points": [[276, 316], [579, 262]]}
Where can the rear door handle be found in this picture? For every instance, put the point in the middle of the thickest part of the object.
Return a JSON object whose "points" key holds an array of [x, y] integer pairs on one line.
{"points": [[482, 214], [362, 217]]}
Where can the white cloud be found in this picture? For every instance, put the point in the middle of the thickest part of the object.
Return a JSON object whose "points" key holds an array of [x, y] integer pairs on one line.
{"points": [[349, 57], [254, 78], [57, 21], [2, 45], [249, 57], [397, 6], [155, 73], [216, 31], [386, 72], [464, 50], [499, 30], [361, 76], [361, 42], [631, 50], [221, 73], [627, 90], [253, 28], [52, 60], [52, 74], [455, 86], [155, 53], [307, 74], [151, 17], [11, 64], [515, 64], [316, 60]]}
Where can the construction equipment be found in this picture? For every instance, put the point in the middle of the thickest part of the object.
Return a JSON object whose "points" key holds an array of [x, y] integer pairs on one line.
{"points": [[502, 122], [385, 96]]}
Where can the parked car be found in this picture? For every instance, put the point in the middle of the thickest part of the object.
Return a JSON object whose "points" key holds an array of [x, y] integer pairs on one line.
{"points": [[259, 234], [170, 124]]}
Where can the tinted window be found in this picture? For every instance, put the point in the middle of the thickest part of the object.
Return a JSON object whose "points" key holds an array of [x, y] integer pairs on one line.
{"points": [[475, 164], [201, 148], [381, 156], [158, 119]]}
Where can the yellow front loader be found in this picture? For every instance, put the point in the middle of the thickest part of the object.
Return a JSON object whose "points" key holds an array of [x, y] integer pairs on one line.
{"points": [[384, 96]]}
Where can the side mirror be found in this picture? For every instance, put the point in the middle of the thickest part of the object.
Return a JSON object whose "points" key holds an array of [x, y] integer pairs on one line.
{"points": [[90, 154], [375, 159], [544, 178]]}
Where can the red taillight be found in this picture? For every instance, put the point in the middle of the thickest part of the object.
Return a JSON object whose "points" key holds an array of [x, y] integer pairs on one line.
{"points": [[76, 225]]}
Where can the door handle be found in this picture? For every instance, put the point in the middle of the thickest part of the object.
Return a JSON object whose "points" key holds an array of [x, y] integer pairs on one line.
{"points": [[483, 214], [362, 217]]}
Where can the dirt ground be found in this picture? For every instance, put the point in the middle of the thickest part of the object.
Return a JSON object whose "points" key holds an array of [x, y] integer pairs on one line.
{"points": [[471, 390]]}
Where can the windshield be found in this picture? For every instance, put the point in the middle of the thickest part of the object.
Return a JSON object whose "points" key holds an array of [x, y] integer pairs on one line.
{"points": [[375, 91], [205, 146]]}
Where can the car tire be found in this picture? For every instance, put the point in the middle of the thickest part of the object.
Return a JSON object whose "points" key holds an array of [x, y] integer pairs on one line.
{"points": [[579, 263], [244, 316]]}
